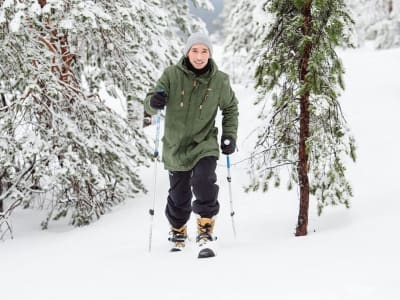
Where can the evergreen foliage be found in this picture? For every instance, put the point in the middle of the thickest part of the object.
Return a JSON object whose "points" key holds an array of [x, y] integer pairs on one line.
{"points": [[58, 138], [287, 47], [60, 61]]}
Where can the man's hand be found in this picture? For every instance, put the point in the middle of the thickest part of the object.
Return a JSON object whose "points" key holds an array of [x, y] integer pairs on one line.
{"points": [[158, 100], [228, 145]]}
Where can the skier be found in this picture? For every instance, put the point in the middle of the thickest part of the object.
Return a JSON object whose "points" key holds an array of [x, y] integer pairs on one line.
{"points": [[192, 91]]}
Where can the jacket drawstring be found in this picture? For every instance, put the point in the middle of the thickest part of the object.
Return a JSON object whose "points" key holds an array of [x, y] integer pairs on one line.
{"points": [[195, 84], [182, 96], [205, 96]]}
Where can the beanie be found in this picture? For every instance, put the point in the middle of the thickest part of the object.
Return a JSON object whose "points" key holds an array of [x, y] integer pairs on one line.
{"points": [[198, 38]]}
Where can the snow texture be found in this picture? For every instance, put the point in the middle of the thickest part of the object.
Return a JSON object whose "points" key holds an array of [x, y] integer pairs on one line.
{"points": [[348, 255]]}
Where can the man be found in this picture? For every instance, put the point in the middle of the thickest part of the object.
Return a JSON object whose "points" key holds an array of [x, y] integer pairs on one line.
{"points": [[194, 91]]}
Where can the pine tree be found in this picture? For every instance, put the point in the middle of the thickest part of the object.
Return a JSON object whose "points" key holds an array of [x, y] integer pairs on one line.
{"points": [[305, 129], [58, 138]]}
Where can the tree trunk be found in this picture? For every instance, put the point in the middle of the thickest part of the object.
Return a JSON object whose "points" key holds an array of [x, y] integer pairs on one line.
{"points": [[58, 44], [302, 221]]}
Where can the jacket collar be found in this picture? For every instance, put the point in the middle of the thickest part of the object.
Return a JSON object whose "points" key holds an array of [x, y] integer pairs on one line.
{"points": [[203, 77]]}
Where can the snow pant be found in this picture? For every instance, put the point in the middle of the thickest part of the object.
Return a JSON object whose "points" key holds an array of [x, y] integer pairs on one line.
{"points": [[200, 181]]}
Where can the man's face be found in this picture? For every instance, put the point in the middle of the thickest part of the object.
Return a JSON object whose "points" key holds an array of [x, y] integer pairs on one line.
{"points": [[198, 55]]}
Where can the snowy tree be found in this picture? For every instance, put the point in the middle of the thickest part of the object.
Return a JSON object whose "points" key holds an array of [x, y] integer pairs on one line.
{"points": [[305, 130], [377, 21], [240, 26], [180, 23], [121, 49], [244, 25], [58, 138]]}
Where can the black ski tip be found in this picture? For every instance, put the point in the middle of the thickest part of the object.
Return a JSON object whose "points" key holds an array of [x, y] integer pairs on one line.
{"points": [[175, 250], [206, 253]]}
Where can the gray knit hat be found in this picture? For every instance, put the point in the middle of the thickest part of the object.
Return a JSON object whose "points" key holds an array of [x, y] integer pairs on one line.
{"points": [[198, 38]]}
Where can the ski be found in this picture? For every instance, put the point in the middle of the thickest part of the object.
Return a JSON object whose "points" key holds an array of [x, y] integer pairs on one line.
{"points": [[176, 249], [206, 243], [206, 253]]}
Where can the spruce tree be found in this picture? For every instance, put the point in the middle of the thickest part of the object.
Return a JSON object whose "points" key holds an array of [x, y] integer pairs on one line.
{"points": [[57, 136], [298, 78]]}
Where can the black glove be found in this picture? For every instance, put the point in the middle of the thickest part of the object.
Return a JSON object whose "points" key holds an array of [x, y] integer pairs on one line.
{"points": [[158, 100], [228, 145]]}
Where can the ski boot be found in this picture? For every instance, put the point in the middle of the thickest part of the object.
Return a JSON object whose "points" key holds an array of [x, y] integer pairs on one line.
{"points": [[178, 238], [205, 239]]}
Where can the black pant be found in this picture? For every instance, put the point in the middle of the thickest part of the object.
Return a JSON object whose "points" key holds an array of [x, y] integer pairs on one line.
{"points": [[201, 180]]}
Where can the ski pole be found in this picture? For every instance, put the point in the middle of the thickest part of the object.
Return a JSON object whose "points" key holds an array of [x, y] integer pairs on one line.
{"points": [[229, 178], [155, 155]]}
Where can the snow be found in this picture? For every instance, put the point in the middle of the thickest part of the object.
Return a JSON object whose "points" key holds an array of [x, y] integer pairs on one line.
{"points": [[67, 24], [2, 18], [35, 8], [7, 3], [15, 23], [349, 254]]}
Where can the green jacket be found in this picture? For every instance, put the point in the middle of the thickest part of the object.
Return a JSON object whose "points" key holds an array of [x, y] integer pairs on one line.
{"points": [[192, 104]]}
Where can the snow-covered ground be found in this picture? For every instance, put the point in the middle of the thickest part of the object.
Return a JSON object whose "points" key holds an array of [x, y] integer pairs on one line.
{"points": [[349, 254]]}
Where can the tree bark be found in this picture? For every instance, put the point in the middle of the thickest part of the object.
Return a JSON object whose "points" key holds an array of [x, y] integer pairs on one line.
{"points": [[58, 44], [302, 221]]}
